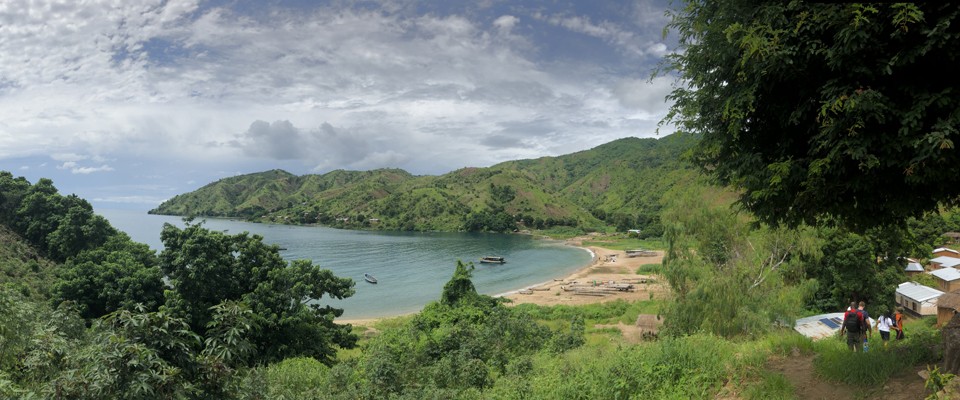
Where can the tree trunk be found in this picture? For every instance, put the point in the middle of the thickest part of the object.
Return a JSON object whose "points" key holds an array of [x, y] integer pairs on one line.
{"points": [[951, 344]]}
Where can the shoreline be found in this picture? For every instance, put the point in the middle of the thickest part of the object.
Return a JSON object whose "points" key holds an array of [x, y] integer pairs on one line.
{"points": [[606, 267]]}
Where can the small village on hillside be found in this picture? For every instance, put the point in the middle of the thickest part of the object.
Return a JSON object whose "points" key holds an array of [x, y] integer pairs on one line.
{"points": [[914, 299]]}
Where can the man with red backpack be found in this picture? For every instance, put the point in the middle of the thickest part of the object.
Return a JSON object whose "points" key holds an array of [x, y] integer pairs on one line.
{"points": [[855, 327]]}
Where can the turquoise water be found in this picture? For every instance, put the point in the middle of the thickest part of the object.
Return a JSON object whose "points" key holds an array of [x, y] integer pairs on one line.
{"points": [[411, 267]]}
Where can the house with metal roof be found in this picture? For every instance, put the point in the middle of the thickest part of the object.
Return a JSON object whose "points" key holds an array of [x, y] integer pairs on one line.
{"points": [[819, 326], [944, 262], [918, 299], [945, 252], [913, 268], [948, 279]]}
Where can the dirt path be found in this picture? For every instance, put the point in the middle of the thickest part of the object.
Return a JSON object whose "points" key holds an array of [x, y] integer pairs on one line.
{"points": [[798, 369]]}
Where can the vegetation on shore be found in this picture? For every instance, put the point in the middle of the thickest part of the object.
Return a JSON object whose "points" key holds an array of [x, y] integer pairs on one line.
{"points": [[196, 338], [615, 186]]}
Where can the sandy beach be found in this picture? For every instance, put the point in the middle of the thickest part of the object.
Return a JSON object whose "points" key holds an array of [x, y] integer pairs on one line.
{"points": [[598, 282], [606, 279]]}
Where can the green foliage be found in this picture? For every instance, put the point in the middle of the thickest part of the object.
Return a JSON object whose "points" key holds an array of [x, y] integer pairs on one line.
{"points": [[849, 271], [813, 110], [936, 380], [772, 385], [207, 268], [22, 268], [688, 367], [296, 378], [621, 181], [140, 355], [650, 269], [118, 275], [459, 287], [729, 279]]}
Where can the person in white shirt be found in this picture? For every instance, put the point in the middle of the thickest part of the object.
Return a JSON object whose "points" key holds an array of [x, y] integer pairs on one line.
{"points": [[884, 322]]}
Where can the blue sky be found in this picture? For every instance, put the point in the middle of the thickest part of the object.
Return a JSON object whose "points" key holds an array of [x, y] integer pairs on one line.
{"points": [[129, 103]]}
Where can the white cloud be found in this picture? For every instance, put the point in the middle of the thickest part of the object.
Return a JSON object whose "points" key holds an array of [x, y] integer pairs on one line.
{"points": [[505, 23], [90, 170], [187, 84]]}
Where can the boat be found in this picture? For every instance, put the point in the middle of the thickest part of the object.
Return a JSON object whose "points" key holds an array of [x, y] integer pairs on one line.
{"points": [[492, 260], [369, 278]]}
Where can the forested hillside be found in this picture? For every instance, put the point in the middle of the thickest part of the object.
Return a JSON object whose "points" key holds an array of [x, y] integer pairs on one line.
{"points": [[615, 185]]}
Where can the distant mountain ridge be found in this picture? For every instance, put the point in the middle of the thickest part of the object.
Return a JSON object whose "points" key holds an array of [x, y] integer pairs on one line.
{"points": [[617, 184]]}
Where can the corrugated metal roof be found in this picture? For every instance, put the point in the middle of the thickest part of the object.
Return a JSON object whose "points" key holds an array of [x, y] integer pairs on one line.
{"points": [[914, 267], [945, 261], [948, 274], [819, 326], [917, 291], [939, 249]]}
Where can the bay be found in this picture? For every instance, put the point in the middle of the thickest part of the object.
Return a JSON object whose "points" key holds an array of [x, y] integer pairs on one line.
{"points": [[411, 267]]}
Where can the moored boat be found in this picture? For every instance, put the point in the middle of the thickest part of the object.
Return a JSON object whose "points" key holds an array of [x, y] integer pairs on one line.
{"points": [[492, 260], [369, 278]]}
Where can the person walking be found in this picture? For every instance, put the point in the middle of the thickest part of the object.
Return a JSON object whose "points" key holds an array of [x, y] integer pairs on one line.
{"points": [[854, 326], [898, 323], [868, 331], [884, 323]]}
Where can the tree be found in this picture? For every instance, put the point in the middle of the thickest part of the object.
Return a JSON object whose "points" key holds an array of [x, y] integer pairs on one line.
{"points": [[812, 110], [118, 275], [207, 268]]}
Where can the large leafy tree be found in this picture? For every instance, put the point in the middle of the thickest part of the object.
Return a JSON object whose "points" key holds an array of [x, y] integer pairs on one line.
{"points": [[118, 275], [207, 268], [813, 109]]}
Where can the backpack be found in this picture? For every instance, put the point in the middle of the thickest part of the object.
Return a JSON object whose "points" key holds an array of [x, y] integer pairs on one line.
{"points": [[853, 322]]}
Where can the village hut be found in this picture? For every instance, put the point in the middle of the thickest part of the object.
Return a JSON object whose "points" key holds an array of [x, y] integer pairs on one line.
{"points": [[947, 305]]}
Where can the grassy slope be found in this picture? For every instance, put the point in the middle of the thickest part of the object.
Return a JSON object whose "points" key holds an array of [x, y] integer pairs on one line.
{"points": [[22, 268]]}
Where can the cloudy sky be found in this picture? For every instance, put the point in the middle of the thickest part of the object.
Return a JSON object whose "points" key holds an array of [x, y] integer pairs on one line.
{"points": [[127, 103]]}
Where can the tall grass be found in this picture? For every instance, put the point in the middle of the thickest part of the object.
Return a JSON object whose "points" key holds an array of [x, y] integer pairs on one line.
{"points": [[649, 269], [625, 243], [836, 362], [682, 368]]}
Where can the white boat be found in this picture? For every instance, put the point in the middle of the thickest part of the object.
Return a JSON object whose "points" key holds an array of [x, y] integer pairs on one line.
{"points": [[492, 260], [369, 278]]}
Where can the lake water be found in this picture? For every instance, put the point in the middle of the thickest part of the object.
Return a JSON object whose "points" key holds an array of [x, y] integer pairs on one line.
{"points": [[411, 267]]}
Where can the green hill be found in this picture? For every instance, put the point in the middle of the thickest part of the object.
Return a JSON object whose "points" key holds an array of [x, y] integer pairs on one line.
{"points": [[618, 184]]}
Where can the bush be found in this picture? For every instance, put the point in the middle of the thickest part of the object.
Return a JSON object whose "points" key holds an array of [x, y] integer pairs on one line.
{"points": [[650, 269]]}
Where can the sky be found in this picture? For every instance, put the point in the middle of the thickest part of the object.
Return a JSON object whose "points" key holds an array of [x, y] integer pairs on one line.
{"points": [[129, 103]]}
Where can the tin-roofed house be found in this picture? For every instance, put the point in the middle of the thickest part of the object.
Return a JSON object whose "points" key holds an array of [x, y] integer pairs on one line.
{"points": [[948, 279], [913, 268], [918, 299], [819, 326], [944, 262], [945, 252]]}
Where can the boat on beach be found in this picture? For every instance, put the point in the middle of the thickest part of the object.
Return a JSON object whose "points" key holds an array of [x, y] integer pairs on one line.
{"points": [[492, 260], [369, 278]]}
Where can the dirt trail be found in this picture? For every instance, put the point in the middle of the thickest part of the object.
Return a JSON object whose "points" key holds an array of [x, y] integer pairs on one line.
{"points": [[799, 371]]}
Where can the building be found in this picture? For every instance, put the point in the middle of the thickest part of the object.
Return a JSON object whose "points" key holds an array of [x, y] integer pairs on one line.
{"points": [[944, 262], [948, 279], [913, 268], [917, 299], [947, 306], [945, 252], [819, 326]]}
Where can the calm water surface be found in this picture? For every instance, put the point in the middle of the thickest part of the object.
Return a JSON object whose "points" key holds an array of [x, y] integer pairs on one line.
{"points": [[411, 267]]}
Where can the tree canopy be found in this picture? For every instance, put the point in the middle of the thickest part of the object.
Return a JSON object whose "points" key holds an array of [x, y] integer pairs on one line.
{"points": [[813, 110], [207, 268]]}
